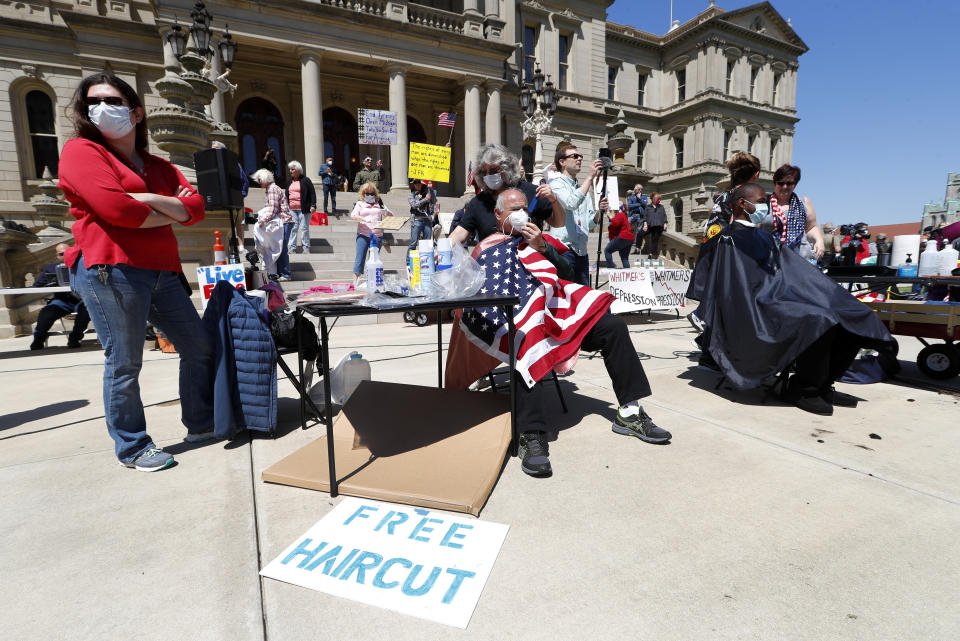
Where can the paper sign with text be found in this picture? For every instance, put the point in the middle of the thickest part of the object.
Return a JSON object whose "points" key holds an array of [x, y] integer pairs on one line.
{"points": [[375, 127], [613, 188], [643, 289], [420, 562], [208, 277], [429, 162]]}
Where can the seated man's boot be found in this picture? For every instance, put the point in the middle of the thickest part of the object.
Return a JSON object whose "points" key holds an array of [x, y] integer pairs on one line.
{"points": [[839, 399], [808, 399], [535, 454], [38, 342]]}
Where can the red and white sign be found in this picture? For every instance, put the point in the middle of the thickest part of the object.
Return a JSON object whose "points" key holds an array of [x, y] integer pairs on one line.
{"points": [[208, 277]]}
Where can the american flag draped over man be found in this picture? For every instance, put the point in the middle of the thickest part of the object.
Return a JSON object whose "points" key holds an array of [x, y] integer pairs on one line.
{"points": [[552, 318]]}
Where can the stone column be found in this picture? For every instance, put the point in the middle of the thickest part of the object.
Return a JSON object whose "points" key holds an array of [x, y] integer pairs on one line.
{"points": [[312, 113], [216, 104], [399, 159], [471, 119], [492, 131]]}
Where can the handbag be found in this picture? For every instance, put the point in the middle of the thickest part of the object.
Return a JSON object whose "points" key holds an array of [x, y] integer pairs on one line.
{"points": [[284, 328]]}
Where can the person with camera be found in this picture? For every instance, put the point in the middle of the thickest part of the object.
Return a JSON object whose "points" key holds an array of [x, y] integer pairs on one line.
{"points": [[126, 263], [577, 201], [854, 246]]}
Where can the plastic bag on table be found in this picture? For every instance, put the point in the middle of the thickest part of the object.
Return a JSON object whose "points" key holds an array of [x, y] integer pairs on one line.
{"points": [[462, 280]]}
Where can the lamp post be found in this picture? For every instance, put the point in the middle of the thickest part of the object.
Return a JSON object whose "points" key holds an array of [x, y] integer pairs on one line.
{"points": [[539, 102], [181, 126]]}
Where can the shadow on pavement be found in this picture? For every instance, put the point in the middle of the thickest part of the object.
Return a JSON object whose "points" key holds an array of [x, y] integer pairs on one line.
{"points": [[16, 419]]}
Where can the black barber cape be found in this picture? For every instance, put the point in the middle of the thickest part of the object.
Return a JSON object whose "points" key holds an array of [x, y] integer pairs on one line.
{"points": [[763, 306]]}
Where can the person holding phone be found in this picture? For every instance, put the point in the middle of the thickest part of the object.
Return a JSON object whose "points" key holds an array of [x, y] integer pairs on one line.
{"points": [[577, 201]]}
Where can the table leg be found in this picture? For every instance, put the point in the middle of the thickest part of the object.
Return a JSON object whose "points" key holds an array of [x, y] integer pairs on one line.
{"points": [[511, 330], [439, 350], [297, 319], [328, 406]]}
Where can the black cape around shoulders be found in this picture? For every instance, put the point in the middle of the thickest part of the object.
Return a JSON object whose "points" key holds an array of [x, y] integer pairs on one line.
{"points": [[764, 306]]}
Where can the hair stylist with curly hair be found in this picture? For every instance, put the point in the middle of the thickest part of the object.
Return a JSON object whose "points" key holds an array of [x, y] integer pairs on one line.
{"points": [[126, 265]]}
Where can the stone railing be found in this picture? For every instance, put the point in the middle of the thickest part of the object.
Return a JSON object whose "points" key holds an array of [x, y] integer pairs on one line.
{"points": [[372, 7], [435, 18], [679, 248]]}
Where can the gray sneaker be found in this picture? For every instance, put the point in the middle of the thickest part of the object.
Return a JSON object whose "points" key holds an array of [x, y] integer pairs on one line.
{"points": [[641, 426], [152, 460], [199, 437]]}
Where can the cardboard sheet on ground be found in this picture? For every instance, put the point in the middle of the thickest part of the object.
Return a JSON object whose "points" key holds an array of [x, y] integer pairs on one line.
{"points": [[392, 223], [422, 446], [424, 563]]}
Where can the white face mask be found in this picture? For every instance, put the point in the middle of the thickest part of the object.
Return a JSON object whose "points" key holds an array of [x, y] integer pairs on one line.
{"points": [[518, 219], [113, 121], [493, 182], [760, 212], [370, 198], [329, 163]]}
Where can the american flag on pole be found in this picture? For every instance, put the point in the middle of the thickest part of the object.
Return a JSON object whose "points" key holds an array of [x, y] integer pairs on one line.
{"points": [[552, 318], [447, 119]]}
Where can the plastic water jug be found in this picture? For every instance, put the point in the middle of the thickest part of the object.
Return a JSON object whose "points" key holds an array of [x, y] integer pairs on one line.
{"points": [[346, 375], [947, 259], [929, 260]]}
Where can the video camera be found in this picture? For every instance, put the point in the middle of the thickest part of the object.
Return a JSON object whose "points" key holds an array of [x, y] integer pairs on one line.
{"points": [[859, 234], [857, 231]]}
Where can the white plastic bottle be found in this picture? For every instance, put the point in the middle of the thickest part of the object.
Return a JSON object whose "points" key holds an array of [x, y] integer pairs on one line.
{"points": [[444, 254], [374, 270], [947, 260], [425, 248], [346, 375], [929, 260]]}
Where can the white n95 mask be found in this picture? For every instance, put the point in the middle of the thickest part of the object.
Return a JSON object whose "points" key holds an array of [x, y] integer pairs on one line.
{"points": [[113, 121], [518, 219]]}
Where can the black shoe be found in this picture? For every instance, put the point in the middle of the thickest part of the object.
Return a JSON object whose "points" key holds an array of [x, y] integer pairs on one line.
{"points": [[707, 361], [839, 399], [35, 345], [74, 344], [814, 405], [534, 454], [641, 426]]}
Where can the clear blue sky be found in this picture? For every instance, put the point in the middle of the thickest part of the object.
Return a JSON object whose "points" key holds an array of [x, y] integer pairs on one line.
{"points": [[878, 103]]}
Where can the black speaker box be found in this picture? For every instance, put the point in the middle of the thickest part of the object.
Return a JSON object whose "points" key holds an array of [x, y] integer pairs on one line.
{"points": [[218, 178]]}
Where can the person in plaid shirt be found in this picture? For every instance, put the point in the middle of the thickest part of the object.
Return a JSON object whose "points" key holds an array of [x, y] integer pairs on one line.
{"points": [[276, 205]]}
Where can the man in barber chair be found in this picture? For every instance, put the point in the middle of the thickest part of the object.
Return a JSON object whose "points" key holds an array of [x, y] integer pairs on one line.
{"points": [[768, 310], [555, 319]]}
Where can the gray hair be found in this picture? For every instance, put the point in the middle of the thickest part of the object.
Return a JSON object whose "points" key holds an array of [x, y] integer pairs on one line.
{"points": [[216, 144], [263, 176], [494, 154], [293, 164], [503, 195]]}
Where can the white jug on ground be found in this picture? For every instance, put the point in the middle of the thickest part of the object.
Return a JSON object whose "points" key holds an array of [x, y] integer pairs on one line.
{"points": [[346, 375]]}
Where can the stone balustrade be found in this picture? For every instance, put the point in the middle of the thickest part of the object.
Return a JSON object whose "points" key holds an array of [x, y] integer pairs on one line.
{"points": [[435, 18]]}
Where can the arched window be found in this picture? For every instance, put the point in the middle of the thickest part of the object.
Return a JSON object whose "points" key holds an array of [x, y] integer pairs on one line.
{"points": [[678, 216], [260, 125], [42, 133]]}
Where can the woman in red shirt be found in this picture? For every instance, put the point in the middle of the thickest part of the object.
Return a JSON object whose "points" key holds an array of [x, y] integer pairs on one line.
{"points": [[126, 265], [621, 239]]}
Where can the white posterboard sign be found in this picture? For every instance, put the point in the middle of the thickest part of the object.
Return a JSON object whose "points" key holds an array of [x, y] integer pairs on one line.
{"points": [[420, 562], [613, 200], [209, 276], [648, 289], [375, 127]]}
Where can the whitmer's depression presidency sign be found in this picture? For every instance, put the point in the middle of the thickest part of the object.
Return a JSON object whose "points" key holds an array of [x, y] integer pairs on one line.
{"points": [[643, 289], [412, 560]]}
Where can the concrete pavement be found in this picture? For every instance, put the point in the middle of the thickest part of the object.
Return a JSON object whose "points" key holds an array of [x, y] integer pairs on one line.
{"points": [[759, 521]]}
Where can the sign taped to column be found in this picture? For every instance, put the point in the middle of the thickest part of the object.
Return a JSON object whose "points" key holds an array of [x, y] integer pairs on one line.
{"points": [[376, 127], [648, 289], [429, 162], [419, 562]]}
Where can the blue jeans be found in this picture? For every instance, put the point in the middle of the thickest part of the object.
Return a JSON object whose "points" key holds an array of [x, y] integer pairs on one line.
{"points": [[283, 262], [421, 228], [301, 224], [363, 244], [120, 309], [621, 246], [330, 190]]}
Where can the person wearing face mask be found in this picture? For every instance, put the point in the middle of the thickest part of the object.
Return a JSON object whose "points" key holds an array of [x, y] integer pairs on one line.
{"points": [[560, 318], [768, 309], [497, 170], [331, 183], [422, 202], [655, 217], [368, 212], [302, 201], [126, 266], [744, 168]]}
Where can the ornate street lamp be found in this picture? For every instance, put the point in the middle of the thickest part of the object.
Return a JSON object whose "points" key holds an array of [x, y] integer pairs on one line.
{"points": [[228, 48], [177, 39], [539, 103], [200, 29]]}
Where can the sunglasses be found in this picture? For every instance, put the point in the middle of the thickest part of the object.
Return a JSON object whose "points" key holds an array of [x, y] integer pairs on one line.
{"points": [[575, 156], [785, 184], [59, 254], [110, 100]]}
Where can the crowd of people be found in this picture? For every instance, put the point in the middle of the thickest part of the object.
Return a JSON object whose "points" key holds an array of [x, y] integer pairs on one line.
{"points": [[126, 270]]}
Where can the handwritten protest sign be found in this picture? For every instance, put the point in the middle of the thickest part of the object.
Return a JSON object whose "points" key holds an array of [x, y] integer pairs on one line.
{"points": [[420, 562], [429, 162], [375, 127], [208, 277], [643, 289]]}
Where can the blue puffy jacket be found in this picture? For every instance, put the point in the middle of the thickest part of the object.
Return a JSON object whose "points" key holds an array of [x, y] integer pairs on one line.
{"points": [[245, 362]]}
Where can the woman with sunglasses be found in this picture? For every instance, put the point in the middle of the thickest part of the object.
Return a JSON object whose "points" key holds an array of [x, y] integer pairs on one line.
{"points": [[368, 211], [126, 266], [801, 217]]}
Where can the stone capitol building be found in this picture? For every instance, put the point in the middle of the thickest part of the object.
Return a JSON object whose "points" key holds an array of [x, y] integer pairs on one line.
{"points": [[672, 107]]}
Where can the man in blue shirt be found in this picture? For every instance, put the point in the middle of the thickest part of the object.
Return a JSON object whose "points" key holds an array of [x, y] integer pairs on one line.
{"points": [[577, 201]]}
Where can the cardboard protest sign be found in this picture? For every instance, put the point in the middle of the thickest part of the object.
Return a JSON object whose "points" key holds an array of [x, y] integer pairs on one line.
{"points": [[420, 562], [643, 289], [375, 127], [392, 223], [208, 277], [429, 162]]}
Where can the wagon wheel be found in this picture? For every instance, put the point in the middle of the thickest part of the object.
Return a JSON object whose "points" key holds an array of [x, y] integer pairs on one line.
{"points": [[408, 317], [939, 361], [422, 320]]}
